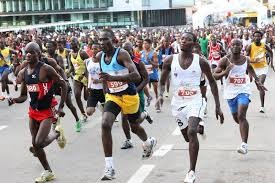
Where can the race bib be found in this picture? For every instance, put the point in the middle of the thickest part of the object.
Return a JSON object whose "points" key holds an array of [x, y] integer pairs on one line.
{"points": [[216, 55], [76, 66], [237, 80], [184, 92], [33, 88], [149, 69], [116, 86]]}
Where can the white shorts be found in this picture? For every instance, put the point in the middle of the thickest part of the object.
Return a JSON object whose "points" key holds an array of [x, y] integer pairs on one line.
{"points": [[261, 71], [182, 113]]}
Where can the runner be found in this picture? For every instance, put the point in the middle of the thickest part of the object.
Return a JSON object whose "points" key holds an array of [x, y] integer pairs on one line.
{"points": [[64, 53], [39, 80], [95, 86], [77, 64], [139, 86], [150, 59], [215, 51], [237, 87], [187, 103], [257, 52], [119, 75]]}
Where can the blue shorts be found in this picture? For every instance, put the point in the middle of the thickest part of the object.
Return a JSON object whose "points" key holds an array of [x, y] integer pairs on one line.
{"points": [[241, 99], [4, 68]]}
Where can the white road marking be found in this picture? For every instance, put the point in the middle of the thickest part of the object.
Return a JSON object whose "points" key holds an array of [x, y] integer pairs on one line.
{"points": [[163, 150], [3, 127], [141, 174], [176, 132]]}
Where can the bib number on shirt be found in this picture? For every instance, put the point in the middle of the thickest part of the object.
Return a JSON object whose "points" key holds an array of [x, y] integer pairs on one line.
{"points": [[116, 86], [76, 66], [182, 92], [149, 69], [237, 80], [33, 88]]}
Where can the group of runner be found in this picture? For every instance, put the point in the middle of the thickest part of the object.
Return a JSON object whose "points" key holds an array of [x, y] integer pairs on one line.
{"points": [[115, 70]]}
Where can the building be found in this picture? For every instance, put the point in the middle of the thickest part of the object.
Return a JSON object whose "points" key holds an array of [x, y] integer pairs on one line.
{"points": [[92, 13]]}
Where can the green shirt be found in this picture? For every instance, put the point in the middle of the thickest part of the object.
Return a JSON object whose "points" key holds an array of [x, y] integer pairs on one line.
{"points": [[204, 45]]}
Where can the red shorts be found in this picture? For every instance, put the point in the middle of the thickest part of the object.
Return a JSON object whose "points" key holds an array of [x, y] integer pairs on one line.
{"points": [[40, 115]]}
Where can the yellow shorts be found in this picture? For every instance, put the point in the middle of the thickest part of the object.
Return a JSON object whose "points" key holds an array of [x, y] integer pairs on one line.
{"points": [[129, 104]]}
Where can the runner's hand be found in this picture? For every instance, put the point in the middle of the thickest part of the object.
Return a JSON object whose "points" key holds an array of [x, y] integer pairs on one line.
{"points": [[60, 112], [260, 86], [105, 76], [219, 113]]}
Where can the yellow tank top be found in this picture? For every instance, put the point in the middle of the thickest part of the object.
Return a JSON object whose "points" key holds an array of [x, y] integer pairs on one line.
{"points": [[79, 68], [6, 54], [258, 55], [63, 54]]}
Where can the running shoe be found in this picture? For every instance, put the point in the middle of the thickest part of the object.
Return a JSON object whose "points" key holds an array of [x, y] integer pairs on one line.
{"points": [[149, 99], [149, 149], [109, 174], [190, 177], [78, 126], [45, 177], [148, 117], [243, 149], [84, 118], [262, 110], [61, 140], [127, 144]]}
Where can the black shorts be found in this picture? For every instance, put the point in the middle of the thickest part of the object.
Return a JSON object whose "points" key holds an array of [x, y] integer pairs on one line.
{"points": [[154, 80], [94, 97]]}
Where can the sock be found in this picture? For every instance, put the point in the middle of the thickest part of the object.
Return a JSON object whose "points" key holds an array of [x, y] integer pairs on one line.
{"points": [[147, 142], [109, 162]]}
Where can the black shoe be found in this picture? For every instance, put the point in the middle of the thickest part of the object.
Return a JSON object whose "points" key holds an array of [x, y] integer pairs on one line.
{"points": [[148, 117]]}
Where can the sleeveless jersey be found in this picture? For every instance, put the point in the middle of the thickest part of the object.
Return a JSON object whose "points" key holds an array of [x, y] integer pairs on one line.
{"points": [[258, 55], [237, 82], [153, 72], [185, 82], [93, 70], [114, 68], [41, 93]]}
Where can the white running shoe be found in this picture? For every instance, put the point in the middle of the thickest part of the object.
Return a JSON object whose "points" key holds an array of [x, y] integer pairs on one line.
{"points": [[243, 149], [190, 177], [109, 174], [149, 149], [262, 110]]}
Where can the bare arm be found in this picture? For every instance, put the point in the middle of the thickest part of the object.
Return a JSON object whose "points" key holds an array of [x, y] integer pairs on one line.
{"points": [[268, 49], [144, 75], [60, 62], [84, 55], [222, 70], [166, 69], [248, 50], [19, 77], [52, 74], [155, 60], [213, 85], [124, 59], [23, 94], [58, 68]]}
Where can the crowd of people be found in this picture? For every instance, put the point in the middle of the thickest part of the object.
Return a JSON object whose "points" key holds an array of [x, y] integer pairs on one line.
{"points": [[114, 71]]}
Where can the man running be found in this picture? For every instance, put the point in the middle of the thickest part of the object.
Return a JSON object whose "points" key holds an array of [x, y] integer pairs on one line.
{"points": [[237, 87], [95, 86], [39, 80], [78, 67], [139, 86], [187, 103], [257, 52], [150, 59], [119, 75]]}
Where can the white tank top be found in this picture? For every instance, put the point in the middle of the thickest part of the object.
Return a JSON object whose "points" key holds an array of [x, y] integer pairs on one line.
{"points": [[185, 82], [237, 82], [93, 70]]}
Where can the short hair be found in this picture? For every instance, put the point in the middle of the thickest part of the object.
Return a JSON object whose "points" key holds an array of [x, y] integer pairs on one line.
{"points": [[109, 31], [259, 32], [53, 43], [193, 35], [148, 40]]}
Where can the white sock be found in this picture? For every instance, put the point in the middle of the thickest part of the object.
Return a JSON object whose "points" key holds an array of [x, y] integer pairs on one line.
{"points": [[147, 142], [109, 162]]}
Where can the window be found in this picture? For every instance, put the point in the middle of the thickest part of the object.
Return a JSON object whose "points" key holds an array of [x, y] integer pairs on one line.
{"points": [[35, 5], [62, 4], [69, 4], [29, 5], [23, 5], [89, 4], [110, 3], [86, 16], [75, 4], [16, 6], [55, 5], [82, 4], [42, 5], [103, 3], [96, 4]]}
